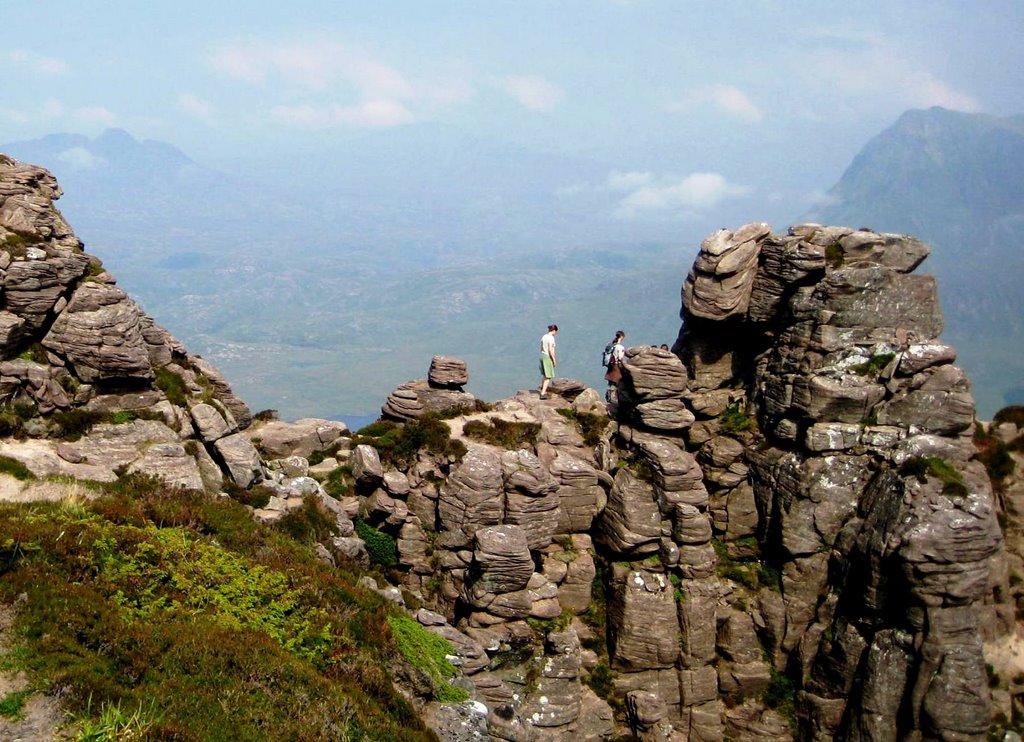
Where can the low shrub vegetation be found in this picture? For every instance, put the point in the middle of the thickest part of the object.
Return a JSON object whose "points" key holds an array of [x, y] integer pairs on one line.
{"points": [[338, 482], [397, 445], [381, 547], [78, 421], [35, 353], [995, 455], [170, 615], [924, 467], [591, 426], [503, 433], [735, 420], [13, 417], [753, 573]]}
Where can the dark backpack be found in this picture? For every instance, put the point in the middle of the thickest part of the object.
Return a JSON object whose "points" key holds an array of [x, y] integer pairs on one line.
{"points": [[609, 354]]}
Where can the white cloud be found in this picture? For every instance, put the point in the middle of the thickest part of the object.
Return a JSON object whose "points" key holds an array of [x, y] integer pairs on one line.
{"points": [[96, 115], [727, 99], [52, 108], [534, 93], [875, 67], [197, 107], [316, 66], [628, 181], [79, 158], [328, 83], [371, 113], [16, 117], [38, 62], [694, 193]]}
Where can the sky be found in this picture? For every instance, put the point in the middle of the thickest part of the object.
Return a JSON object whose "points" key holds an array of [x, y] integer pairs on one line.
{"points": [[687, 104]]}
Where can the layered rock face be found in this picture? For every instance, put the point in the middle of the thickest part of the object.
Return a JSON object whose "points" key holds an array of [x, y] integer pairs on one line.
{"points": [[781, 534], [853, 476], [89, 384]]}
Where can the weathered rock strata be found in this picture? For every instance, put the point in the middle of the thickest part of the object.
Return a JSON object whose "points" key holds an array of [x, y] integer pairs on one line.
{"points": [[77, 350], [792, 538]]}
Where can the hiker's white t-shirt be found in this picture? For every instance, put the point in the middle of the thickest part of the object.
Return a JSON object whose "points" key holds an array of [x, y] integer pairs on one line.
{"points": [[547, 344]]}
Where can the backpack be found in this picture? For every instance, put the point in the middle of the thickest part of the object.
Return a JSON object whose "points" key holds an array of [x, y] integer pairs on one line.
{"points": [[609, 354]]}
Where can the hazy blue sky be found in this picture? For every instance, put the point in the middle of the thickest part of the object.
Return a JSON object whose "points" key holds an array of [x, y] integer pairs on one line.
{"points": [[688, 103]]}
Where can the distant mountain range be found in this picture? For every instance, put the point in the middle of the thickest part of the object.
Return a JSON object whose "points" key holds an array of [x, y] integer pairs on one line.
{"points": [[320, 282], [955, 180]]}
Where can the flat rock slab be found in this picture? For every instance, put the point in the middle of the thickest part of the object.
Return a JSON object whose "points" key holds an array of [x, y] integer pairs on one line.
{"points": [[281, 439]]}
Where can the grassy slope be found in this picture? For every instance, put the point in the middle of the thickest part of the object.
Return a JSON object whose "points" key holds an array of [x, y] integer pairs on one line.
{"points": [[183, 614]]}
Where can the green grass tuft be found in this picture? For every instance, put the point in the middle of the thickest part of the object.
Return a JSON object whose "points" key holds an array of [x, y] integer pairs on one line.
{"points": [[15, 468], [172, 385], [924, 467], [874, 365], [12, 706], [428, 652]]}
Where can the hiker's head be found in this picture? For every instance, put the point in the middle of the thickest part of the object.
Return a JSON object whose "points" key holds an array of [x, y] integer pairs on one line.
{"points": [[619, 335], [552, 328]]}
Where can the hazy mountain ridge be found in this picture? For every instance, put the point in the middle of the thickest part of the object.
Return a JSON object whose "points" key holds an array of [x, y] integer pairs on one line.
{"points": [[955, 180], [366, 283]]}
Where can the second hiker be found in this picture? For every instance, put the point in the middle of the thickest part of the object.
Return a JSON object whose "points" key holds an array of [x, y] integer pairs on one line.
{"points": [[614, 358]]}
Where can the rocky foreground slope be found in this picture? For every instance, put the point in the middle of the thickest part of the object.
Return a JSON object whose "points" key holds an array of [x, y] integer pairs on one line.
{"points": [[782, 531]]}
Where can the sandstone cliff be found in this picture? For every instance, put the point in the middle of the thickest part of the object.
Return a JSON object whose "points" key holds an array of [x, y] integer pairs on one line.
{"points": [[90, 384], [780, 531]]}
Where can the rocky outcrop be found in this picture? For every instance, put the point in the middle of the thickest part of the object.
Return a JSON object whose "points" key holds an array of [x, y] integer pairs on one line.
{"points": [[90, 384], [441, 392], [791, 535]]}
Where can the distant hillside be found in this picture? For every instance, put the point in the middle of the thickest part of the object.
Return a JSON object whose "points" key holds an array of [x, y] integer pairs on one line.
{"points": [[955, 180], [318, 285]]}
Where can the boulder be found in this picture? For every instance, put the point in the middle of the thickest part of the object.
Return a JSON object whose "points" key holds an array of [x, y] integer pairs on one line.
{"points": [[414, 399], [366, 466], [300, 438], [100, 334], [722, 277], [447, 373], [241, 459]]}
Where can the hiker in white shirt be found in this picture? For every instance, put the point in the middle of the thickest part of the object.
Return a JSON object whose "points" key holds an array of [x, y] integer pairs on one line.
{"points": [[548, 359]]}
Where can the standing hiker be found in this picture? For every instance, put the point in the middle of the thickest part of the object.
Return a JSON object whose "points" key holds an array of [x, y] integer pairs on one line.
{"points": [[548, 359], [614, 357]]}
